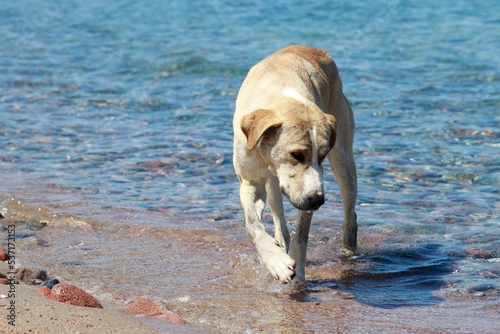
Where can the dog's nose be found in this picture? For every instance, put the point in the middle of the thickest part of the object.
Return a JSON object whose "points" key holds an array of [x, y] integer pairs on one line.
{"points": [[314, 202]]}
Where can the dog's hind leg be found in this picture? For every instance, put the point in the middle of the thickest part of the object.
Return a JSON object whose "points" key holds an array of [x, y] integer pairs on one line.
{"points": [[342, 163], [298, 247], [277, 261], [275, 202]]}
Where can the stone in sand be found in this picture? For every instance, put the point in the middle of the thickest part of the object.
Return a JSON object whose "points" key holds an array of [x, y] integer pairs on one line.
{"points": [[27, 272], [70, 294], [50, 283], [44, 291], [154, 308]]}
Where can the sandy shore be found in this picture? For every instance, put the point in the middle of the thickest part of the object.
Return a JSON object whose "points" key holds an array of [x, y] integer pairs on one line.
{"points": [[24, 310], [37, 314], [213, 279]]}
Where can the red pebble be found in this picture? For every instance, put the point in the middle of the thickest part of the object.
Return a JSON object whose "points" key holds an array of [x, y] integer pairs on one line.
{"points": [[4, 281], [144, 306], [70, 294], [3, 255], [154, 308], [44, 291]]}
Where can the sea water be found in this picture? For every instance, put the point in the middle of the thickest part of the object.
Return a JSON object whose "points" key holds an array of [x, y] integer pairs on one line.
{"points": [[121, 112]]}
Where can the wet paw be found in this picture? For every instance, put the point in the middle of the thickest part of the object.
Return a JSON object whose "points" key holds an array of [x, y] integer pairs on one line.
{"points": [[346, 254], [282, 267]]}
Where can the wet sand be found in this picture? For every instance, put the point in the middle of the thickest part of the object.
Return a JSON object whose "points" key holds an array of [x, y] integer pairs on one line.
{"points": [[213, 279]]}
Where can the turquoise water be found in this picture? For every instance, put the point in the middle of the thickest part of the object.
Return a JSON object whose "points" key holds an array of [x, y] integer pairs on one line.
{"points": [[128, 106]]}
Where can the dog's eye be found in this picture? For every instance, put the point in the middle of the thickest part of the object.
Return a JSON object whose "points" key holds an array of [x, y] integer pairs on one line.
{"points": [[299, 156]]}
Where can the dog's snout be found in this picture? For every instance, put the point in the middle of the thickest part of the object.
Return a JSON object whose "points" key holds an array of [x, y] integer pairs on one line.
{"points": [[315, 201]]}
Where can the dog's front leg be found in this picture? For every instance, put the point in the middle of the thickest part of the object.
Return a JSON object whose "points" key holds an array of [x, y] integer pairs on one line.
{"points": [[298, 247], [275, 202], [276, 260]]}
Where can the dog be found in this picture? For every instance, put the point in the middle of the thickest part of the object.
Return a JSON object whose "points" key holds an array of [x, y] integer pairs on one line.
{"points": [[290, 115]]}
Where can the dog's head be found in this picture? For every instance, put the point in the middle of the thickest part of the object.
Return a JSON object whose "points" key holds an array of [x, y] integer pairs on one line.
{"points": [[294, 143]]}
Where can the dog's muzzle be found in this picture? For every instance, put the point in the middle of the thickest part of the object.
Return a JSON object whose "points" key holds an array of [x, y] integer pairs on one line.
{"points": [[309, 203], [313, 203]]}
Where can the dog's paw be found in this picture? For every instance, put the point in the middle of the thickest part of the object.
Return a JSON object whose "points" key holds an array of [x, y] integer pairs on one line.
{"points": [[347, 253], [282, 267]]}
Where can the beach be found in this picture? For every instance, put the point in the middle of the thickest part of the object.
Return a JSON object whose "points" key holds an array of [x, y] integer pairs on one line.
{"points": [[28, 311], [37, 314], [117, 177], [220, 282]]}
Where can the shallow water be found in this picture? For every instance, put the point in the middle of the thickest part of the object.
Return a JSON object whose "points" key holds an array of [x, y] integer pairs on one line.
{"points": [[122, 114]]}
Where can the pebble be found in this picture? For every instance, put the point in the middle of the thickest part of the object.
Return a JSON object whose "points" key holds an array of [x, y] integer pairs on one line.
{"points": [[70, 294], [153, 308], [3, 255], [50, 283], [144, 306], [44, 291], [26, 272], [4, 281]]}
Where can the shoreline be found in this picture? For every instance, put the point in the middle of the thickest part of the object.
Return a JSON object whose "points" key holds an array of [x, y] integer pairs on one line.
{"points": [[213, 279], [28, 311], [35, 313]]}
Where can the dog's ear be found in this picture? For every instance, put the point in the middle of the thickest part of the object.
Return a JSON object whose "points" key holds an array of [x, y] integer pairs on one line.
{"points": [[255, 124], [333, 123]]}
